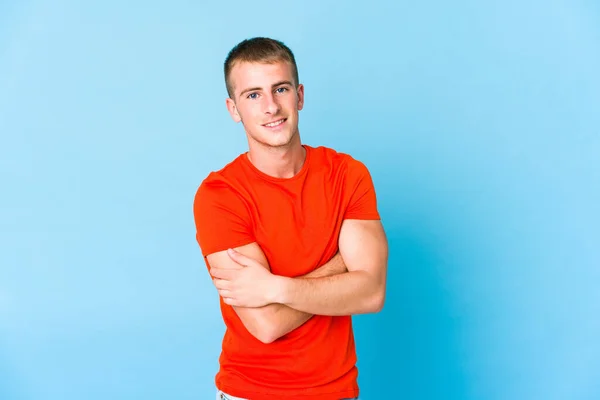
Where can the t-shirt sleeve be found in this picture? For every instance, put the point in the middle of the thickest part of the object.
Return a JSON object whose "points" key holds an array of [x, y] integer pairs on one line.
{"points": [[363, 200], [222, 219]]}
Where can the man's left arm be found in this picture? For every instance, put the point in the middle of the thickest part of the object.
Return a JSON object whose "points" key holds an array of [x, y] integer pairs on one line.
{"points": [[364, 249]]}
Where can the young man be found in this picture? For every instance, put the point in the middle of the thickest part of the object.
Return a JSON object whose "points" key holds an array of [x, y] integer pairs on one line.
{"points": [[293, 240]]}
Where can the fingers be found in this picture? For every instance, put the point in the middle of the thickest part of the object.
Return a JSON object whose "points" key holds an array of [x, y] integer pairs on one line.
{"points": [[245, 261], [222, 284], [224, 290], [229, 301], [238, 257], [222, 273], [227, 296]]}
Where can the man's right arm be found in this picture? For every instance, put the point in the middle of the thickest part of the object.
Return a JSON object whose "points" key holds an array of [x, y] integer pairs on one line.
{"points": [[271, 322]]}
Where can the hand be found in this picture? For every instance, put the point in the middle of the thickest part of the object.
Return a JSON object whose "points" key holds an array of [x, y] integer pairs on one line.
{"points": [[250, 285]]}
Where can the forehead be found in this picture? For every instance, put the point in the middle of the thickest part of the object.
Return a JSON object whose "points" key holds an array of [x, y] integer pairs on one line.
{"points": [[254, 74]]}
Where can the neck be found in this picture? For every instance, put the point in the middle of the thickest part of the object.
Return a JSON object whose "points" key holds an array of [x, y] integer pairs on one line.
{"points": [[278, 162]]}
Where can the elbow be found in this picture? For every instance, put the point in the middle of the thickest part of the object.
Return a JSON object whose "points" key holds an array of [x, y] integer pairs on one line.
{"points": [[378, 305], [265, 333], [377, 302], [266, 337]]}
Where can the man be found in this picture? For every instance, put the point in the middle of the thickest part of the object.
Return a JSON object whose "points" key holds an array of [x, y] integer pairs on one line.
{"points": [[292, 239]]}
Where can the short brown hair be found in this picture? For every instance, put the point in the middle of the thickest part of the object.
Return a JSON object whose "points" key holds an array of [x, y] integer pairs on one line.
{"points": [[258, 49]]}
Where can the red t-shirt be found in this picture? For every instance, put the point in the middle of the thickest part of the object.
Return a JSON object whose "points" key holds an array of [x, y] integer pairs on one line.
{"points": [[296, 222]]}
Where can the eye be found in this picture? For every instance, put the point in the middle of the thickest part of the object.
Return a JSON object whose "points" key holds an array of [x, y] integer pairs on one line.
{"points": [[252, 96], [281, 90]]}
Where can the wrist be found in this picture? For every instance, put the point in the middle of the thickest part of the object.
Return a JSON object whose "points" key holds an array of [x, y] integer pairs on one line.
{"points": [[280, 289]]}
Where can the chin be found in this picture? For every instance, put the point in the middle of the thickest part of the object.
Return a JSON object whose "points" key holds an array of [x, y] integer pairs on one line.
{"points": [[279, 143], [269, 139], [275, 142]]}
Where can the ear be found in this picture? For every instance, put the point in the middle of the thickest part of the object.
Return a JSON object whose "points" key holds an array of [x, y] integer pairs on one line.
{"points": [[300, 94], [231, 107]]}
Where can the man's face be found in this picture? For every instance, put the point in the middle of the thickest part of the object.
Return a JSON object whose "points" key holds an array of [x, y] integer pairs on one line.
{"points": [[267, 102]]}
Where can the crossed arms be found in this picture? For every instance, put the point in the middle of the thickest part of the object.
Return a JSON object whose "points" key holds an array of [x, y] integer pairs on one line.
{"points": [[270, 306]]}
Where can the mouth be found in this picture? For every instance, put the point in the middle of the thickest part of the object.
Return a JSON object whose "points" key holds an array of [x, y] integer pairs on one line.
{"points": [[275, 124]]}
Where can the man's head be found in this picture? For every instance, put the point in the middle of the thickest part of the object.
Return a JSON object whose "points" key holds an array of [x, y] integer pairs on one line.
{"points": [[262, 83], [258, 50]]}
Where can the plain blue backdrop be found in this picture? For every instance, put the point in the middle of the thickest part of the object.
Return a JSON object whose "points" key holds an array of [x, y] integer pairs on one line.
{"points": [[479, 121]]}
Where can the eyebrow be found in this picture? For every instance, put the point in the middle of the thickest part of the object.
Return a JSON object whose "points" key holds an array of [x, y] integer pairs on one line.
{"points": [[272, 86]]}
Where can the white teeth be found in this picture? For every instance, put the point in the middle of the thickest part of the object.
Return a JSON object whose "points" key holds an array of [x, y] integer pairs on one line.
{"points": [[274, 123]]}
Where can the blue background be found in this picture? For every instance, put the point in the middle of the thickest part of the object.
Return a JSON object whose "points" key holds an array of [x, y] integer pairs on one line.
{"points": [[479, 122]]}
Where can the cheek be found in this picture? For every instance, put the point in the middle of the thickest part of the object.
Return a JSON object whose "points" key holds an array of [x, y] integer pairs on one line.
{"points": [[251, 116], [252, 111], [288, 107], [245, 113]]}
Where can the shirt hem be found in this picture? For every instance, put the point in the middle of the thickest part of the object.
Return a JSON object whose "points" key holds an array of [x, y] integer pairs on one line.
{"points": [[336, 395]]}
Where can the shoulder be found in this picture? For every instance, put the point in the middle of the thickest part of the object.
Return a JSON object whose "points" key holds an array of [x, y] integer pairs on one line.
{"points": [[220, 185], [340, 161], [229, 172]]}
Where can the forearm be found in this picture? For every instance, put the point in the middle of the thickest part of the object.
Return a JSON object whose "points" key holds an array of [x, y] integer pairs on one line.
{"points": [[355, 292], [281, 319]]}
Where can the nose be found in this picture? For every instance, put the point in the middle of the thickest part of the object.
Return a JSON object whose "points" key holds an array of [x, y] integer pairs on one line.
{"points": [[271, 106]]}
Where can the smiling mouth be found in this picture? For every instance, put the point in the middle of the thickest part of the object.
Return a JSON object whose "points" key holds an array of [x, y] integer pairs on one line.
{"points": [[276, 123]]}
